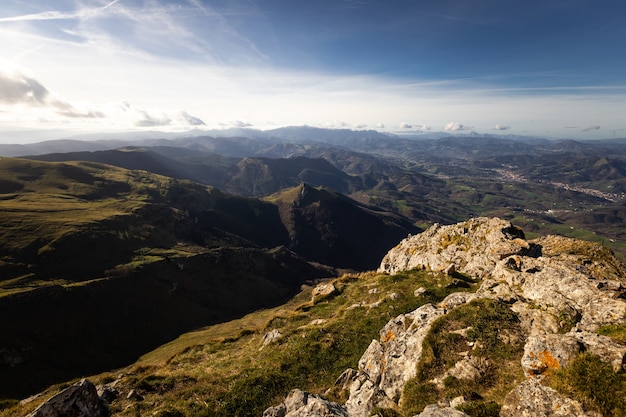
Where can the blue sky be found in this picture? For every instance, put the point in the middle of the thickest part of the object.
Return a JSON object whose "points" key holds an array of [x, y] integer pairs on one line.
{"points": [[551, 68]]}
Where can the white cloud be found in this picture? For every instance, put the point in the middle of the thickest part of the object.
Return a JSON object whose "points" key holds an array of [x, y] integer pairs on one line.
{"points": [[455, 127], [26, 100], [335, 124], [18, 89], [501, 127], [191, 120], [590, 128], [235, 123], [404, 125]]}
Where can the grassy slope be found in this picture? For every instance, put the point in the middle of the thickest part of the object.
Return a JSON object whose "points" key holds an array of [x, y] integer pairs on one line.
{"points": [[223, 371], [49, 202], [100, 264]]}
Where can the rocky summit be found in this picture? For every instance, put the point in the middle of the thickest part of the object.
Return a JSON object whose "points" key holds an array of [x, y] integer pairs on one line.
{"points": [[558, 296]]}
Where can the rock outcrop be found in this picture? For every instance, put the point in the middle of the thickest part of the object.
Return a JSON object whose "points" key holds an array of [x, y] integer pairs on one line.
{"points": [[303, 404], [79, 400], [388, 363], [562, 291], [531, 398]]}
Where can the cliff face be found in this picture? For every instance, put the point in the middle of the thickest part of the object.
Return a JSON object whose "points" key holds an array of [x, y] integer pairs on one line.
{"points": [[554, 296]]}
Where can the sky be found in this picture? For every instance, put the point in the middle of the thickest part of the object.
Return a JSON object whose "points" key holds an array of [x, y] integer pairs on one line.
{"points": [[548, 68]]}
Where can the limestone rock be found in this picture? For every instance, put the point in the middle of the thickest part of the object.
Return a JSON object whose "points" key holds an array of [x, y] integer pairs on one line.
{"points": [[271, 337], [531, 398], [436, 411], [419, 291], [107, 393], [79, 400], [472, 368], [456, 299], [562, 290], [390, 362], [546, 352], [134, 395], [322, 291], [559, 283], [471, 247], [303, 404], [603, 346]]}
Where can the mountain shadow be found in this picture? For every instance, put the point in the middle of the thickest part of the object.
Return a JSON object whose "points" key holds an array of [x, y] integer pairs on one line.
{"points": [[99, 264]]}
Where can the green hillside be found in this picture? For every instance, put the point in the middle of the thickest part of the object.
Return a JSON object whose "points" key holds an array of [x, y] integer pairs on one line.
{"points": [[99, 264]]}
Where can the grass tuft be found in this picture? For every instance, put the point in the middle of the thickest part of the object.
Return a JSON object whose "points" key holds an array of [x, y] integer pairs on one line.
{"points": [[617, 332], [593, 382]]}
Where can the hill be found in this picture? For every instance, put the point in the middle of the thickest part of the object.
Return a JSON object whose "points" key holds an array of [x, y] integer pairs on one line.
{"points": [[469, 319], [334, 230], [100, 264], [574, 188]]}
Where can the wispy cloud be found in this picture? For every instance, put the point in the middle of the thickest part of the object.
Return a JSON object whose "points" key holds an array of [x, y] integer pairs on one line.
{"points": [[190, 31], [501, 127], [590, 128], [81, 14]]}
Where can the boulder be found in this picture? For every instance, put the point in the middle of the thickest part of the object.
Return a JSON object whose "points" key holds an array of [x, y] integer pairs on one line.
{"points": [[546, 352], [471, 247], [561, 289], [531, 398], [322, 291], [388, 363], [603, 346], [271, 337], [303, 404], [79, 400], [437, 411], [107, 393]]}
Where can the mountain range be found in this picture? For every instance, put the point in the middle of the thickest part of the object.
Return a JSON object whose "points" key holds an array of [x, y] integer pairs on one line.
{"points": [[112, 247], [540, 184]]}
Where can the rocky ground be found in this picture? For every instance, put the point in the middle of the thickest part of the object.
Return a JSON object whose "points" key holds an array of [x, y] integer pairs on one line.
{"points": [[562, 290], [542, 307]]}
